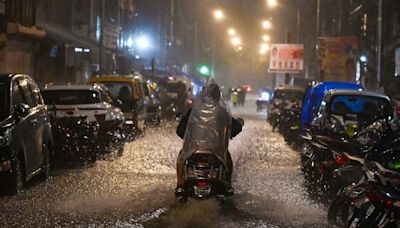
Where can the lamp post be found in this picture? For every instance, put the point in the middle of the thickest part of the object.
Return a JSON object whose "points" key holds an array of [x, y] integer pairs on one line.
{"points": [[379, 45], [218, 16]]}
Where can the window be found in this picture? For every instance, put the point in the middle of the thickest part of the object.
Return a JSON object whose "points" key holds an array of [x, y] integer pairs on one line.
{"points": [[2, 16], [120, 90], [104, 97], [70, 97], [21, 11], [361, 106]]}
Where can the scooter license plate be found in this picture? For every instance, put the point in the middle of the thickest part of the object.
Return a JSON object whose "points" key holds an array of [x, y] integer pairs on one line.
{"points": [[370, 209], [202, 190]]}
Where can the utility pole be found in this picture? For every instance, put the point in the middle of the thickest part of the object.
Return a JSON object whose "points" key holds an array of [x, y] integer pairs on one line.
{"points": [[196, 34], [298, 24], [317, 33], [101, 39], [379, 45], [213, 55], [170, 38], [318, 18]]}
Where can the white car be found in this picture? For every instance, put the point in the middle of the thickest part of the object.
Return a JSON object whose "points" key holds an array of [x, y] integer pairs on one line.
{"points": [[92, 101]]}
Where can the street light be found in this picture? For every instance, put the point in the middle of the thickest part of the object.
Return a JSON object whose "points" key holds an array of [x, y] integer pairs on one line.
{"points": [[236, 41], [272, 3], [266, 24], [231, 32], [263, 51], [240, 48], [219, 14], [143, 42], [264, 46], [266, 38]]}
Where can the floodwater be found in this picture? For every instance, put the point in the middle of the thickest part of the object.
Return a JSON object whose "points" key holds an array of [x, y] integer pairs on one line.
{"points": [[137, 188]]}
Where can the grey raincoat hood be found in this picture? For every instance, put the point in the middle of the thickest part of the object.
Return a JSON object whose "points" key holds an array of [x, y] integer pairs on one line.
{"points": [[209, 124]]}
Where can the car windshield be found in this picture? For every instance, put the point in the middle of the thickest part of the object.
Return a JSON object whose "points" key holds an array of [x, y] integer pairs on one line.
{"points": [[288, 94], [70, 97], [360, 105], [120, 90], [4, 101]]}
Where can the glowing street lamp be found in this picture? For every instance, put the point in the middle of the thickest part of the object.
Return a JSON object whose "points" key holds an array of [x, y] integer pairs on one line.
{"points": [[219, 14], [263, 51], [240, 48], [266, 24], [231, 32], [236, 41], [266, 38], [143, 42], [272, 3], [264, 46]]}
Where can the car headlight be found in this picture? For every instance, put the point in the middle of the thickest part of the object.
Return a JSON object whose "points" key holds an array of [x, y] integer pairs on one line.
{"points": [[265, 96]]}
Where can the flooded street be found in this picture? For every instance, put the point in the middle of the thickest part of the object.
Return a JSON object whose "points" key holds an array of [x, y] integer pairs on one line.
{"points": [[137, 188]]}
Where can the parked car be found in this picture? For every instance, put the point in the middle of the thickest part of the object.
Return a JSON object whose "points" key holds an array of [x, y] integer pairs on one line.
{"points": [[26, 141], [91, 101], [153, 107], [129, 90], [263, 99], [313, 98], [351, 110]]}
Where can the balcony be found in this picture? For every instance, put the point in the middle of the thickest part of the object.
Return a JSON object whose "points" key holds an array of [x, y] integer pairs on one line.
{"points": [[18, 29]]}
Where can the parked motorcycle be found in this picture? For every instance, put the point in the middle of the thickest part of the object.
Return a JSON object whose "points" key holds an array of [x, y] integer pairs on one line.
{"points": [[291, 125], [375, 201], [329, 155], [75, 139]]}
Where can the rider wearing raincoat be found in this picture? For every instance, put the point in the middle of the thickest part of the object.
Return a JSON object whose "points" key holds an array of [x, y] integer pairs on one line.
{"points": [[207, 126]]}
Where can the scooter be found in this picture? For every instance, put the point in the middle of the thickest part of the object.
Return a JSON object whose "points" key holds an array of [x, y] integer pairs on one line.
{"points": [[205, 177]]}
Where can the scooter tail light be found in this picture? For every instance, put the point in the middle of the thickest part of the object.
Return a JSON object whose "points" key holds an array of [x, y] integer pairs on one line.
{"points": [[341, 160], [202, 184], [389, 203]]}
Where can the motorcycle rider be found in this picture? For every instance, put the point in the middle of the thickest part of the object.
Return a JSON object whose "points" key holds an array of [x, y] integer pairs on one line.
{"points": [[210, 99]]}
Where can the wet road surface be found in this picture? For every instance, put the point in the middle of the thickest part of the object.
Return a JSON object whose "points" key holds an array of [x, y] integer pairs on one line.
{"points": [[136, 189]]}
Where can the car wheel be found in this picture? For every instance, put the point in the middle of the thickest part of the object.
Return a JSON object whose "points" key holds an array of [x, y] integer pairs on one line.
{"points": [[18, 177], [46, 167]]}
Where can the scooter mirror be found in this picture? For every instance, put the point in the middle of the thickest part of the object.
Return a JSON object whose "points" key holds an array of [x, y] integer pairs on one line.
{"points": [[241, 121]]}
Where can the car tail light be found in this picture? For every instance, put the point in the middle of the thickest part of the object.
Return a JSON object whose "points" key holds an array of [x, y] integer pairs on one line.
{"points": [[100, 118], [341, 160]]}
